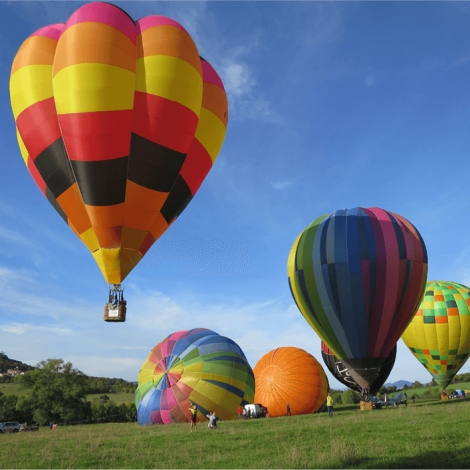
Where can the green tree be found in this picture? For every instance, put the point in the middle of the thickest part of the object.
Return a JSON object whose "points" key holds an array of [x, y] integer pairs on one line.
{"points": [[110, 412], [350, 397], [417, 385], [8, 411], [58, 393], [337, 400]]}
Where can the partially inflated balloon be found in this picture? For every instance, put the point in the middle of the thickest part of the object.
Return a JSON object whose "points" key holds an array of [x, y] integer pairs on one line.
{"points": [[290, 376], [341, 373], [439, 333], [193, 367], [358, 276], [118, 123]]}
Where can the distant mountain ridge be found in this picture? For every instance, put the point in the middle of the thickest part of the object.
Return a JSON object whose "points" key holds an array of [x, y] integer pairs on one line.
{"points": [[399, 384], [6, 363]]}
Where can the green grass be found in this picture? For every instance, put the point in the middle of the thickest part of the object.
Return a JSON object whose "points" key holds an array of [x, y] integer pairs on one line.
{"points": [[13, 389], [431, 435]]}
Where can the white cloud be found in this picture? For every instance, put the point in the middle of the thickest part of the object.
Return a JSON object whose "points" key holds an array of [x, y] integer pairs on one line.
{"points": [[238, 79], [16, 237], [22, 328], [280, 185], [103, 366], [16, 330]]}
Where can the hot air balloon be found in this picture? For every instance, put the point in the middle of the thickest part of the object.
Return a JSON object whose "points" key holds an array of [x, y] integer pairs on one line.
{"points": [[439, 333], [118, 123], [341, 373], [194, 367], [357, 277], [290, 376]]}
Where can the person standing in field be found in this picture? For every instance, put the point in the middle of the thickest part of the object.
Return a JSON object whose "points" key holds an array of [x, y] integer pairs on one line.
{"points": [[405, 399], [288, 413], [193, 422], [210, 417], [240, 412], [386, 400], [329, 405], [215, 418]]}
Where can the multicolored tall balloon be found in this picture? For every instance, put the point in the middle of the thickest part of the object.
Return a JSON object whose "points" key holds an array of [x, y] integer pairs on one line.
{"points": [[193, 367], [290, 376], [357, 276], [118, 123], [341, 373], [439, 333]]}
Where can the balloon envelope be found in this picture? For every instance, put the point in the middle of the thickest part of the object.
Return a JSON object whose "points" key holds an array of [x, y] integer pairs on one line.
{"points": [[341, 373], [439, 333], [357, 277], [118, 123], [193, 367], [291, 376]]}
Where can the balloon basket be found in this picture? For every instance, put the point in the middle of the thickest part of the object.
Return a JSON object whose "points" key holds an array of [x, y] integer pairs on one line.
{"points": [[115, 314], [365, 405]]}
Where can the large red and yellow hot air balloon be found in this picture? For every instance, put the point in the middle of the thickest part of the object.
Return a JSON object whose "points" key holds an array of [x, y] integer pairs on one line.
{"points": [[118, 123]]}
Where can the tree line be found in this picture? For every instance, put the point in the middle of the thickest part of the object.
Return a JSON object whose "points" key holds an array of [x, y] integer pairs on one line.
{"points": [[57, 393]]}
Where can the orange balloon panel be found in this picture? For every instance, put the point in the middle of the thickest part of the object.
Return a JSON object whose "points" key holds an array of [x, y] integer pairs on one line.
{"points": [[290, 376]]}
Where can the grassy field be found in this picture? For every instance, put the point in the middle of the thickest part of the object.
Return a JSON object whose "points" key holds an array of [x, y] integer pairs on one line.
{"points": [[426, 435], [118, 398], [13, 389]]}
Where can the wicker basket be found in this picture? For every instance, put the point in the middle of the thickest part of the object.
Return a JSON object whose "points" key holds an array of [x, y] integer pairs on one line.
{"points": [[115, 314], [365, 405]]}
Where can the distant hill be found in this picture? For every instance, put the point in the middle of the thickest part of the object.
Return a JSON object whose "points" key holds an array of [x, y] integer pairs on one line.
{"points": [[93, 384], [399, 384], [6, 363]]}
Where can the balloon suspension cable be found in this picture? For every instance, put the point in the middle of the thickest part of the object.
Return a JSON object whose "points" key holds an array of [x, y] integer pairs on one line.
{"points": [[116, 293]]}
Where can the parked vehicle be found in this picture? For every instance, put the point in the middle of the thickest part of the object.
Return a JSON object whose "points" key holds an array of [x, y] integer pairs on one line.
{"points": [[377, 403], [458, 394], [255, 411], [11, 426]]}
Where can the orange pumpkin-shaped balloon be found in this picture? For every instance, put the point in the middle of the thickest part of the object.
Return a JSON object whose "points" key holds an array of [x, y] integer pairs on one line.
{"points": [[291, 379]]}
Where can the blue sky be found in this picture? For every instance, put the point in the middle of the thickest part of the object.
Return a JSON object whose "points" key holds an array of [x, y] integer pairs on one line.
{"points": [[332, 105]]}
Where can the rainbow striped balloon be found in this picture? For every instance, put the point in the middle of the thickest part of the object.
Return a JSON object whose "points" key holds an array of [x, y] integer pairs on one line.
{"points": [[196, 367], [118, 123], [357, 277]]}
